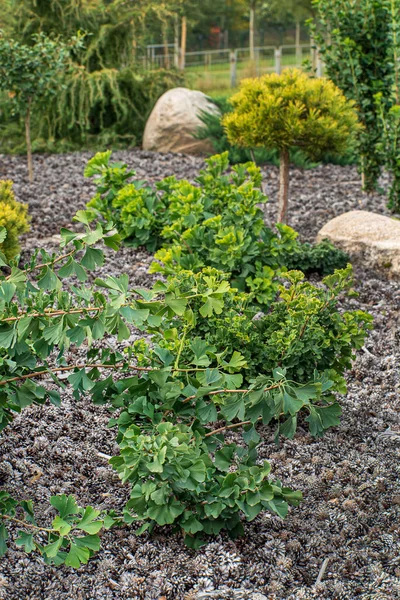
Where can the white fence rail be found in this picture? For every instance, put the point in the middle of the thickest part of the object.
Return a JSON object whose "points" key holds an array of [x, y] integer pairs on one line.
{"points": [[235, 64]]}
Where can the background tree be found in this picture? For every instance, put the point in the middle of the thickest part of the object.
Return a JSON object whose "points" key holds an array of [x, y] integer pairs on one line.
{"points": [[389, 147], [355, 39], [282, 14], [29, 73], [291, 110]]}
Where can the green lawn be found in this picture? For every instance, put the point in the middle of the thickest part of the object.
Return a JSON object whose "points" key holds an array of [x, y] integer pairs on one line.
{"points": [[215, 77]]}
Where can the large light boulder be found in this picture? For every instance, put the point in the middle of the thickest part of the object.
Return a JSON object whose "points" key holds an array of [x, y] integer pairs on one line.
{"points": [[373, 238], [173, 121]]}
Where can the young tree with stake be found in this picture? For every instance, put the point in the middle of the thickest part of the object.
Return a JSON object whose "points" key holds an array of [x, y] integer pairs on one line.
{"points": [[30, 74], [287, 111]]}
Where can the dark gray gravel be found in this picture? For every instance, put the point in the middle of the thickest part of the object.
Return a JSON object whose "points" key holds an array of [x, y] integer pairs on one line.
{"points": [[350, 478]]}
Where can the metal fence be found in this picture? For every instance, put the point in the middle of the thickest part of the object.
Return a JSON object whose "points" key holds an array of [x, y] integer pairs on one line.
{"points": [[227, 67]]}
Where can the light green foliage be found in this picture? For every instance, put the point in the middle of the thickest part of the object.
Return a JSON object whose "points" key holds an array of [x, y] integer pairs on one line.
{"points": [[292, 110], [72, 538], [216, 223], [170, 395], [174, 480], [13, 218], [302, 331], [356, 40]]}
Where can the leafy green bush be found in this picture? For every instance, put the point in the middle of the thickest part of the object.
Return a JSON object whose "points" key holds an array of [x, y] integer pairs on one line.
{"points": [[357, 41], [322, 258], [174, 400], [13, 218], [174, 480], [215, 223], [302, 330]]}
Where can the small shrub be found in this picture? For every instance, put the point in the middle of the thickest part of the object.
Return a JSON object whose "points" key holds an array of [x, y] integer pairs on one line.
{"points": [[213, 130], [174, 400], [301, 332], [216, 223], [323, 258], [31, 72], [14, 219], [291, 110]]}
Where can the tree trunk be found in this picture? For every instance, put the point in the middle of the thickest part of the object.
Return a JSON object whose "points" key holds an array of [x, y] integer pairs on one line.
{"points": [[167, 63], [283, 195], [251, 29], [28, 139], [176, 42], [183, 43]]}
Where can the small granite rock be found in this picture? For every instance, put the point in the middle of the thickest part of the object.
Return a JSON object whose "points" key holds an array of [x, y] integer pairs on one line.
{"points": [[373, 238]]}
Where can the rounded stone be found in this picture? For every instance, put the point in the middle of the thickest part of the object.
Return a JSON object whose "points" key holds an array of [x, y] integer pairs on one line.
{"points": [[175, 120], [368, 236]]}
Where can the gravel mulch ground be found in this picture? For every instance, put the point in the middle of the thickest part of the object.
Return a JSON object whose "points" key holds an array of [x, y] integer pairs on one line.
{"points": [[350, 478]]}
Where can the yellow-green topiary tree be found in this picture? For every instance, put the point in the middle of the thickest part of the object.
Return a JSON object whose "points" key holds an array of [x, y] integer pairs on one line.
{"points": [[13, 218], [291, 110]]}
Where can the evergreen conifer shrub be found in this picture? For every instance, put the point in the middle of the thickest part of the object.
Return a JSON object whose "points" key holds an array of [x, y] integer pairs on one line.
{"points": [[13, 218]]}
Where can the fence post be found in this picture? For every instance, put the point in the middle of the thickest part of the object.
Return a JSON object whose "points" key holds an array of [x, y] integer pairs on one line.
{"points": [[233, 63], [183, 43], [319, 64], [278, 57], [298, 44]]}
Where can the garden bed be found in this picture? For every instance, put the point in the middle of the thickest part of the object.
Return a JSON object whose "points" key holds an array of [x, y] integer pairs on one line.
{"points": [[349, 478]]}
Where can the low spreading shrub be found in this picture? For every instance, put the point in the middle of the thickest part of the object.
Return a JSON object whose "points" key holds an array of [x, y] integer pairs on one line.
{"points": [[176, 396], [217, 222], [13, 219]]}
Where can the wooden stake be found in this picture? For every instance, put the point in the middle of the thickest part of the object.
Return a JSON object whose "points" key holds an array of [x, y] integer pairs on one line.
{"points": [[251, 29], [183, 43], [28, 140], [283, 195]]}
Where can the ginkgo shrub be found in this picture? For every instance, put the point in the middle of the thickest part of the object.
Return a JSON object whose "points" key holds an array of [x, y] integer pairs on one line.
{"points": [[173, 395], [291, 110], [216, 221]]}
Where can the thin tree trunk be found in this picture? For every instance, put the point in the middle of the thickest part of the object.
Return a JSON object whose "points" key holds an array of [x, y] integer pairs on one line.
{"points": [[134, 43], [183, 42], [28, 139], [283, 195], [176, 42], [251, 29]]}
